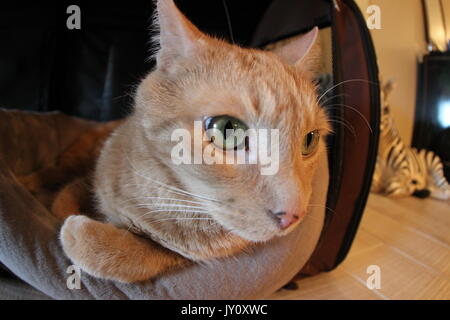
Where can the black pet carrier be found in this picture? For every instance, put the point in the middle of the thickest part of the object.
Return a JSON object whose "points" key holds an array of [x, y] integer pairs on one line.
{"points": [[90, 72]]}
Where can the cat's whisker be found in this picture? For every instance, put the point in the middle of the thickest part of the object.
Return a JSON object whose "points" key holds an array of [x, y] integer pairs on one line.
{"points": [[169, 208], [227, 15], [341, 83], [347, 106], [344, 121], [352, 130], [323, 103], [322, 206], [336, 117], [169, 211], [162, 198], [185, 204], [125, 95], [354, 109], [172, 188], [168, 190], [194, 196], [168, 205], [309, 217], [174, 209], [177, 210], [182, 219]]}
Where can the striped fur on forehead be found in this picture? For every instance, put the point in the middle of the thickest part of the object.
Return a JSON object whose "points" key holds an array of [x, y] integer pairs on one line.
{"points": [[261, 78]]}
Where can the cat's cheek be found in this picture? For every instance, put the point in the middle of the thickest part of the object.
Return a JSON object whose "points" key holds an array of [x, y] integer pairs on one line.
{"points": [[257, 237], [252, 232], [261, 233], [312, 164]]}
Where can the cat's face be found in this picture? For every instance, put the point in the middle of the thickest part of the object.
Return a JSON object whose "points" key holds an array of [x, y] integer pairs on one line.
{"points": [[209, 81]]}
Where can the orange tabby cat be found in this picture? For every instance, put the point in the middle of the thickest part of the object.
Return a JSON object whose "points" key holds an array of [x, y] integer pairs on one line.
{"points": [[196, 212]]}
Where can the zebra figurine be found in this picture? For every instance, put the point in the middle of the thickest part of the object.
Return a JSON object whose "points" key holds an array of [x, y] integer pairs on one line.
{"points": [[403, 171]]}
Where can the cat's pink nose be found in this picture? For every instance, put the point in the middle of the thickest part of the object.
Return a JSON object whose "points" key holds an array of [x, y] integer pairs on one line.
{"points": [[284, 219]]}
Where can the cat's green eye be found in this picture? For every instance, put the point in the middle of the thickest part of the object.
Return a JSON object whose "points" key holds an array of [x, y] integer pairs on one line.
{"points": [[226, 132], [310, 142]]}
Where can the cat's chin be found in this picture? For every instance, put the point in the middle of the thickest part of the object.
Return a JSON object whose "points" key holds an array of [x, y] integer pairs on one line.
{"points": [[291, 228], [259, 238]]}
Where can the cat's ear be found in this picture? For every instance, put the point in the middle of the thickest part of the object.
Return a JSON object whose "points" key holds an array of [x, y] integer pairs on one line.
{"points": [[303, 51], [178, 37]]}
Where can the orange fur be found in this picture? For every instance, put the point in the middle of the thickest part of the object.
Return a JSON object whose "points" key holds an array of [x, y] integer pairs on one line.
{"points": [[107, 252]]}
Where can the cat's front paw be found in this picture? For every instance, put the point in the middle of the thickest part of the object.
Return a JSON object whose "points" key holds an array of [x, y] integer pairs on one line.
{"points": [[104, 251], [78, 242], [88, 245]]}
